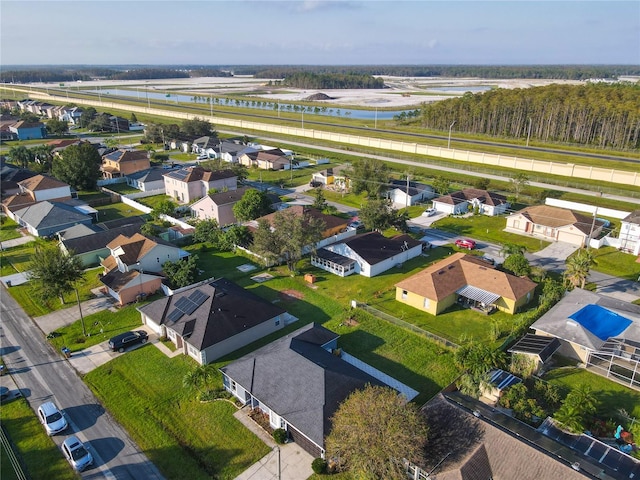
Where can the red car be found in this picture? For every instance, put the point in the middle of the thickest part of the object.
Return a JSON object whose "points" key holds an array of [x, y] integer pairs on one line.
{"points": [[466, 243]]}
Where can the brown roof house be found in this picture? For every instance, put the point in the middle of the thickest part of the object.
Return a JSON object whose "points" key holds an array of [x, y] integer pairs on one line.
{"points": [[460, 202], [463, 445], [467, 279], [218, 206], [134, 266], [209, 320], [35, 189], [369, 254], [555, 224], [274, 159], [191, 183], [124, 162]]}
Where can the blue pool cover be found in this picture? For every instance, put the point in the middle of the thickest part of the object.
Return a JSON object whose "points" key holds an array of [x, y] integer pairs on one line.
{"points": [[603, 323]]}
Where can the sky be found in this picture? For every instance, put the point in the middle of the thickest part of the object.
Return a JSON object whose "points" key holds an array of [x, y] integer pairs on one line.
{"points": [[314, 32]]}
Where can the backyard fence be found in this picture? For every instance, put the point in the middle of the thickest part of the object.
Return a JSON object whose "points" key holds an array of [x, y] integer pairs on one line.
{"points": [[401, 323]]}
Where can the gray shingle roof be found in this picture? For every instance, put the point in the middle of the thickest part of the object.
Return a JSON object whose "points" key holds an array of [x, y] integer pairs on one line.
{"points": [[374, 247], [228, 311], [45, 214], [299, 380], [98, 240]]}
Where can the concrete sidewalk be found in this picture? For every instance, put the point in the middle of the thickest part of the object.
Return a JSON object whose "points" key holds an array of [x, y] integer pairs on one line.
{"points": [[295, 462], [14, 242], [52, 321]]}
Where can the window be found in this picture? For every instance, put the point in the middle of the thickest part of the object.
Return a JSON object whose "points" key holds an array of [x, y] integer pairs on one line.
{"points": [[277, 322], [426, 303], [404, 294], [233, 386]]}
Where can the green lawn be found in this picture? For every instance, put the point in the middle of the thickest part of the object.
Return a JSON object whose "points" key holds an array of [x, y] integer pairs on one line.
{"points": [[611, 396], [181, 436], [155, 200], [611, 261], [116, 211], [6, 469], [27, 295], [41, 456], [88, 195], [8, 230], [122, 188], [100, 326], [17, 259], [484, 227]]}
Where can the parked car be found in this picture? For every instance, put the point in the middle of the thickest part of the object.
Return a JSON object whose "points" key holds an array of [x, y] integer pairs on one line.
{"points": [[315, 184], [76, 453], [355, 225], [429, 212], [52, 418], [489, 260], [127, 339], [466, 243]]}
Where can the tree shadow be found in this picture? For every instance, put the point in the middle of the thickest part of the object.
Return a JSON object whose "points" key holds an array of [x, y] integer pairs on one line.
{"points": [[84, 416], [9, 349], [106, 448]]}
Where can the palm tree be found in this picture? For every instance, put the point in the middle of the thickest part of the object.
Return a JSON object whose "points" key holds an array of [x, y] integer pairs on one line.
{"points": [[511, 248], [199, 378], [21, 155], [578, 266]]}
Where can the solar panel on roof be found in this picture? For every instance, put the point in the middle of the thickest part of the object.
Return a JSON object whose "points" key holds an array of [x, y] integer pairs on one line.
{"points": [[198, 297], [182, 304], [175, 315], [190, 307]]}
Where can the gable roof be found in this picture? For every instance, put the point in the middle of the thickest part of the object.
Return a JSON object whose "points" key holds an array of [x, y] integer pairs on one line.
{"points": [[227, 310], [465, 447], [459, 270], [299, 380], [41, 182], [47, 214], [149, 175], [374, 247], [468, 194], [122, 156], [414, 189], [591, 325], [134, 247], [195, 174], [98, 240], [559, 217], [224, 198]]}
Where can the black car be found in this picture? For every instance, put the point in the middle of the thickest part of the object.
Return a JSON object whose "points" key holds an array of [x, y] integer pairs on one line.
{"points": [[127, 339]]}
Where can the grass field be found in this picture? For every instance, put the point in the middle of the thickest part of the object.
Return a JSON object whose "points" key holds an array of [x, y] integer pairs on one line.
{"points": [[610, 395], [181, 436], [38, 452], [116, 211], [611, 261], [8, 230]]}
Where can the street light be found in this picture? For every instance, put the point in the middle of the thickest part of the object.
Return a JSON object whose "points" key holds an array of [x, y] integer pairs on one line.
{"points": [[529, 132], [450, 127], [302, 119]]}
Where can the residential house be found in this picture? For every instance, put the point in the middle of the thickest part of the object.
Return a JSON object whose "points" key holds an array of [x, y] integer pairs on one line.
{"points": [[498, 381], [406, 193], [588, 324], [191, 183], [298, 381], [468, 280], [124, 162], [35, 189], [71, 115], [230, 151], [147, 180], [7, 121], [463, 444], [10, 176], [368, 254], [28, 131], [202, 145], [131, 267], [43, 219], [218, 206], [183, 143], [462, 201], [334, 227], [630, 233], [555, 224], [274, 159], [207, 321], [90, 245]]}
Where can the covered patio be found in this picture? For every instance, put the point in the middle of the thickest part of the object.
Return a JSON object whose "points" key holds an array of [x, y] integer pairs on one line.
{"points": [[619, 360], [477, 299]]}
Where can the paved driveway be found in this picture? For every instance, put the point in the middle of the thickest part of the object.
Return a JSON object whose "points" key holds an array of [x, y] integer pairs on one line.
{"points": [[552, 257]]}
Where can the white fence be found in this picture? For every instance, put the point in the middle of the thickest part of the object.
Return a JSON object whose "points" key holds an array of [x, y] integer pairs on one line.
{"points": [[137, 205], [150, 193], [583, 207], [621, 177], [110, 181]]}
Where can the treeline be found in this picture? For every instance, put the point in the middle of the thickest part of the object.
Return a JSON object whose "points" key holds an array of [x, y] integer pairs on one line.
{"points": [[329, 81], [209, 72], [33, 76], [606, 115], [560, 72], [148, 74], [48, 75]]}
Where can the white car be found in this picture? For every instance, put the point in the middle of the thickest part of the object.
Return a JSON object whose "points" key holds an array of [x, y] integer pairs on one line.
{"points": [[355, 225], [52, 418], [429, 212], [76, 453]]}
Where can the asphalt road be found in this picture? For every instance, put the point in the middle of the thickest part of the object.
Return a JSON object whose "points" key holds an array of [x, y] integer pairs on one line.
{"points": [[42, 375]]}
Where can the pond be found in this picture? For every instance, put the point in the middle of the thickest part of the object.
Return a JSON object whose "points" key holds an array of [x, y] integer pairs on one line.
{"points": [[171, 97]]}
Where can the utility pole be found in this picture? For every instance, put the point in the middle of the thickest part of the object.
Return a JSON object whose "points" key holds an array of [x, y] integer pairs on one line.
{"points": [[450, 127], [593, 225], [84, 330], [529, 132]]}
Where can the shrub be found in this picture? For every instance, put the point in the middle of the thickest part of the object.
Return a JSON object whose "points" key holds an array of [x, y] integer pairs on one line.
{"points": [[280, 435], [319, 465]]}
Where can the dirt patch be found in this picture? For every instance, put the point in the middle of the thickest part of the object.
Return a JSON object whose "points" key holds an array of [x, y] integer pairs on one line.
{"points": [[291, 295]]}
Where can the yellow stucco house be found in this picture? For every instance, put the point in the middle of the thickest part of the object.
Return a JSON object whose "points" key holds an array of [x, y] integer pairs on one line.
{"points": [[465, 279]]}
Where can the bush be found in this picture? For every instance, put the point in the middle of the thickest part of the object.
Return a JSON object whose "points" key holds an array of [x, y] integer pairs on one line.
{"points": [[319, 465], [280, 435]]}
